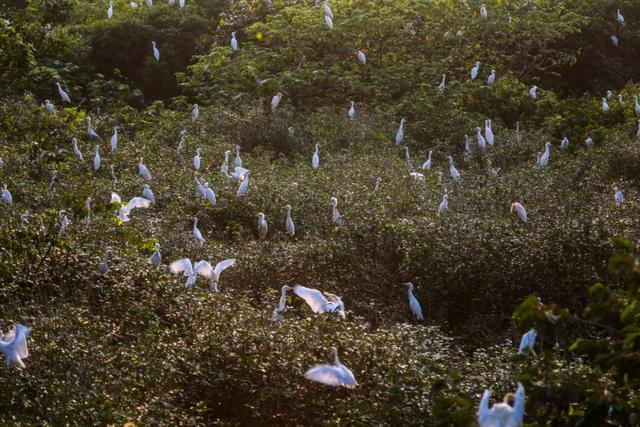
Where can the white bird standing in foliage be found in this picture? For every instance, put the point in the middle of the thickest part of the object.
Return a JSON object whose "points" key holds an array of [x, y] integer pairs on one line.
{"points": [[288, 223], [6, 195], [244, 185], [352, 110], [315, 159], [277, 316], [533, 92], [185, 267], [443, 84], [196, 231], [528, 341], [619, 17], [110, 10], [135, 203], [483, 12], [509, 413], [234, 41], [475, 70], [328, 21], [92, 133], [64, 221], [195, 113], [444, 205], [208, 193], [87, 206], [13, 345], [224, 168], [238, 159], [615, 40], [488, 132], [319, 303], [148, 194], [408, 157], [588, 142], [414, 304], [520, 211], [400, 133], [181, 3], [605, 105], [144, 171], [492, 78], [416, 176], [618, 196], [96, 159], [263, 227], [327, 9], [482, 142], [49, 106], [427, 164], [544, 159], [114, 138], [335, 215], [156, 258], [275, 101], [564, 144], [361, 57], [336, 375], [104, 265], [636, 106], [455, 175], [133, 4], [156, 52], [76, 150], [63, 95], [149, 3], [196, 159]]}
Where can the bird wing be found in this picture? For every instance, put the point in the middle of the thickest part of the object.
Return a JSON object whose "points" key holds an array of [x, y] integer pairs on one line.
{"points": [[20, 342], [348, 379], [326, 374], [115, 198], [203, 268], [138, 202], [313, 297], [484, 412], [223, 265], [182, 265], [518, 406]]}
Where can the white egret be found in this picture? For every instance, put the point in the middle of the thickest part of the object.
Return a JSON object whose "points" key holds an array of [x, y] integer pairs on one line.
{"points": [[114, 138], [443, 84], [483, 12], [488, 132], [544, 159], [144, 171], [104, 265], [588, 142], [455, 175], [181, 3], [482, 142], [263, 227], [196, 159], [156, 52], [156, 258], [6, 195], [185, 267], [288, 223], [234, 41], [352, 110], [64, 221], [275, 101], [619, 17], [615, 40], [217, 270], [315, 159], [509, 413], [336, 375], [277, 316], [238, 174], [149, 3], [328, 21], [208, 193], [54, 177], [319, 303], [92, 133], [136, 202], [49, 106], [63, 95], [520, 211], [133, 4], [110, 10], [115, 198], [475, 70], [564, 144], [87, 206], [13, 345], [605, 105], [244, 185], [400, 133], [618, 196], [224, 168], [427, 164], [238, 159], [492, 78], [443, 205], [533, 92], [327, 9], [361, 57], [416, 176], [414, 304], [96, 159], [148, 194], [335, 215], [636, 106], [195, 113], [609, 94], [196, 232], [199, 188], [493, 172], [528, 341]]}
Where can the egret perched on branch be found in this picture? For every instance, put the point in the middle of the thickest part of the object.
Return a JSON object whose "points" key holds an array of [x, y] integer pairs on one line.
{"points": [[196, 159], [615, 40], [455, 175], [319, 303], [327, 9], [475, 70], [564, 144], [528, 341], [96, 159], [315, 159], [277, 316], [244, 185], [136, 202], [133, 4], [13, 345], [149, 3], [234, 41], [238, 159], [49, 106], [361, 57], [156, 52], [144, 171], [181, 3], [87, 206], [488, 132], [110, 10], [92, 133], [544, 159], [224, 168], [636, 106], [6, 195], [443, 84], [63, 95], [148, 194], [520, 210], [588, 142], [328, 21], [444, 205], [482, 142], [605, 105], [263, 227], [104, 265], [195, 113], [352, 110], [196, 231], [185, 267], [618, 196], [413, 302], [483, 12], [239, 174], [288, 223], [335, 215], [427, 164], [114, 138], [492, 78], [509, 413], [619, 17], [275, 101], [400, 133], [208, 193], [533, 92], [64, 221], [336, 375], [156, 258], [416, 176]]}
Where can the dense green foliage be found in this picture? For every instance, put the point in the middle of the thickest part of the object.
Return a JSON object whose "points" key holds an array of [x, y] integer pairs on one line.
{"points": [[135, 344]]}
